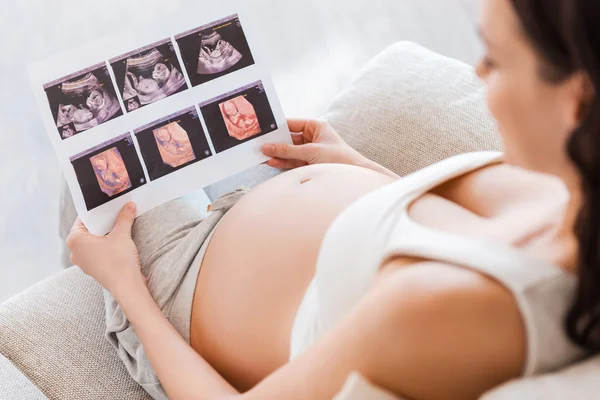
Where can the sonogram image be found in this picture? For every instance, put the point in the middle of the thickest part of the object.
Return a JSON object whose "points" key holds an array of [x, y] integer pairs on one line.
{"points": [[82, 100], [174, 145], [240, 118], [214, 50], [110, 171], [216, 54], [147, 75]]}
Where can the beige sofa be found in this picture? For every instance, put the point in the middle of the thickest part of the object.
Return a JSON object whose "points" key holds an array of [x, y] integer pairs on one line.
{"points": [[407, 109]]}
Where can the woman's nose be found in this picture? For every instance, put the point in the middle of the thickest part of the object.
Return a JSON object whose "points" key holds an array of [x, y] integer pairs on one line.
{"points": [[480, 70]]}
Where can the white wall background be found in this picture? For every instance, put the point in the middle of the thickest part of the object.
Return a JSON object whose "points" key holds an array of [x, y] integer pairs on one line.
{"points": [[315, 47]]}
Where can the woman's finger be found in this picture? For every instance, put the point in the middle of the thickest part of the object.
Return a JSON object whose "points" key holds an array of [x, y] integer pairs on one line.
{"points": [[284, 164], [297, 139], [125, 220], [307, 127], [78, 226], [297, 125], [286, 151], [279, 164], [78, 231]]}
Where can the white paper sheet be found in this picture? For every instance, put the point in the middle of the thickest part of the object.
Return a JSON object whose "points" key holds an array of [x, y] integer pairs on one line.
{"points": [[155, 112]]}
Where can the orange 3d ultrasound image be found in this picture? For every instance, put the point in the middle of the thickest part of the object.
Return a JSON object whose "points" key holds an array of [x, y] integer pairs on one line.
{"points": [[108, 171], [174, 145], [111, 172], [240, 118]]}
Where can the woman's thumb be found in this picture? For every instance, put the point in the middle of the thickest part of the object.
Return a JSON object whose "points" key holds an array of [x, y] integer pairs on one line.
{"points": [[288, 152], [125, 219]]}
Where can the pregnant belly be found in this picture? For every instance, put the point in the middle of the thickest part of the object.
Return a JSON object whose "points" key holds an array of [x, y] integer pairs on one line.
{"points": [[259, 264]]}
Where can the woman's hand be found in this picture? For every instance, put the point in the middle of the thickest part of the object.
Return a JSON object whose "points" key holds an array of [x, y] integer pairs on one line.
{"points": [[315, 142], [112, 260]]}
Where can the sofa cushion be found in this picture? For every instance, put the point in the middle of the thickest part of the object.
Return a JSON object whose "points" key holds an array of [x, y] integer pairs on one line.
{"points": [[410, 107], [54, 334]]}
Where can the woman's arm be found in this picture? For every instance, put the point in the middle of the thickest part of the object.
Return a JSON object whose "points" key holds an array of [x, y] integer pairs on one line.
{"points": [[428, 331], [316, 142], [183, 373], [452, 336]]}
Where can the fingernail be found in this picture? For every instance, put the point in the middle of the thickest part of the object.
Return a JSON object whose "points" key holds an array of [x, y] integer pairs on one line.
{"points": [[131, 206], [269, 149]]}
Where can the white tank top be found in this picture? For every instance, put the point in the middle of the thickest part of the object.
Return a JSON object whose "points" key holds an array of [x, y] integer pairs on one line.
{"points": [[377, 227]]}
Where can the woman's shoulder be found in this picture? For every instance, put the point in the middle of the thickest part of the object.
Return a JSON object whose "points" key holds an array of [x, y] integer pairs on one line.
{"points": [[450, 329]]}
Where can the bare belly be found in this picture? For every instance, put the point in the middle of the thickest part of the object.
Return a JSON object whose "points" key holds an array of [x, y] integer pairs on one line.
{"points": [[259, 264]]}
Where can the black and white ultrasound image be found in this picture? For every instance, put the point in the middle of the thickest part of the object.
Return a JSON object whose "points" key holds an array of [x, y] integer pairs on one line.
{"points": [[108, 171], [217, 50], [173, 144], [148, 76], [82, 102], [231, 119]]}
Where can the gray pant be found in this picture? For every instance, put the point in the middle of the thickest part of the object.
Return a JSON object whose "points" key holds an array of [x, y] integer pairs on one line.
{"points": [[171, 240]]}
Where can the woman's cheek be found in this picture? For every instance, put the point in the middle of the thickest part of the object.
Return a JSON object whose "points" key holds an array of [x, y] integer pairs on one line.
{"points": [[503, 106], [496, 98], [503, 102]]}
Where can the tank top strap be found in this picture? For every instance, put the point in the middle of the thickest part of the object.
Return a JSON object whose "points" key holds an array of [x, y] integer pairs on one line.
{"points": [[396, 197], [513, 267], [508, 264], [422, 181]]}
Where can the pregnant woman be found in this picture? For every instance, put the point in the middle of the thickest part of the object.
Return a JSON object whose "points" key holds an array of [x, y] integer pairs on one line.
{"points": [[439, 285]]}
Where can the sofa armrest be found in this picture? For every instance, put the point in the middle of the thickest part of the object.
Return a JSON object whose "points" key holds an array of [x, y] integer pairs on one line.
{"points": [[54, 334], [14, 385]]}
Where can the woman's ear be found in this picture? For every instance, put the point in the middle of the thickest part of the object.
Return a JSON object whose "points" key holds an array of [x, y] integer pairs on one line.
{"points": [[581, 95]]}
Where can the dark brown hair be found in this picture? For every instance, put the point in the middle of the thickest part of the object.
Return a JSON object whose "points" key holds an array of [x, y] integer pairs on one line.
{"points": [[566, 35]]}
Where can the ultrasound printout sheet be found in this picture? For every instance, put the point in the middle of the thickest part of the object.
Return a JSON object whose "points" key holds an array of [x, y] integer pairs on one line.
{"points": [[157, 112]]}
